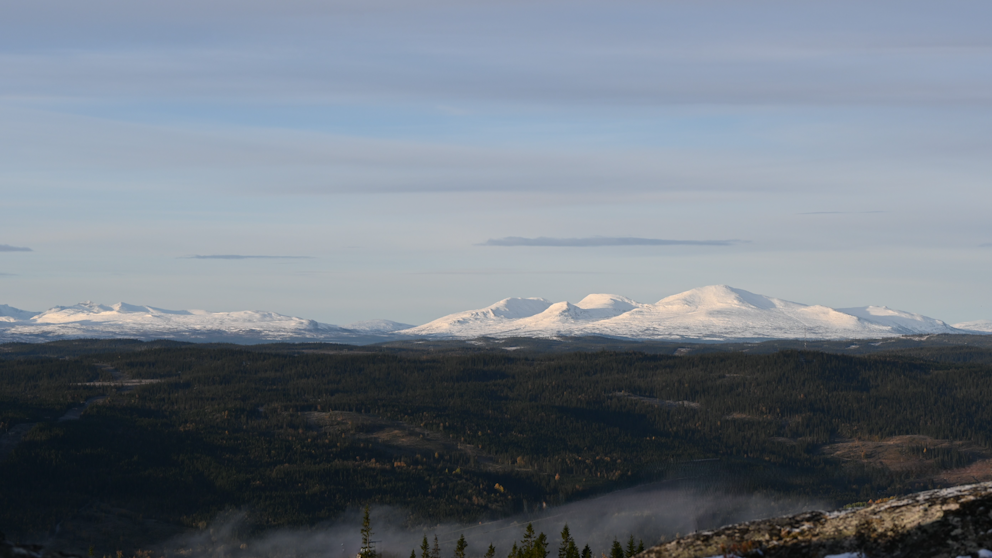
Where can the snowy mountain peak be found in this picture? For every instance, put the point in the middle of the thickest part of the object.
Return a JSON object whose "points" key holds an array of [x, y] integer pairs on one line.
{"points": [[515, 308], [125, 307], [719, 296], [123, 320], [613, 302], [711, 313], [715, 312], [483, 320]]}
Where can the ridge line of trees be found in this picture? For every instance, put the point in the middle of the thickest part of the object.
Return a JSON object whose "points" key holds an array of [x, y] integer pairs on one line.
{"points": [[532, 545]]}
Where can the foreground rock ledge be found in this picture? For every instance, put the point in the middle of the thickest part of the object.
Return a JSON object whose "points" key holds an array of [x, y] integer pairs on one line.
{"points": [[947, 523]]}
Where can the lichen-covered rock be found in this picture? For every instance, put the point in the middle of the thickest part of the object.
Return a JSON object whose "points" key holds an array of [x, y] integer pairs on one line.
{"points": [[944, 523]]}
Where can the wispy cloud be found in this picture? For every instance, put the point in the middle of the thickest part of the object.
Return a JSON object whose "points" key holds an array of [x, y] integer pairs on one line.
{"points": [[243, 257], [604, 241], [838, 212], [9, 248], [7, 274], [985, 245], [513, 272]]}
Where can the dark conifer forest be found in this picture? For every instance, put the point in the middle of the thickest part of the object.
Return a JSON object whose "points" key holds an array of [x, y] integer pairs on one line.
{"points": [[294, 436]]}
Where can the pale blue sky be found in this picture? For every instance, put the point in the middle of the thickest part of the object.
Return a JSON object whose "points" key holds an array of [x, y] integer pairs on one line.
{"points": [[845, 145]]}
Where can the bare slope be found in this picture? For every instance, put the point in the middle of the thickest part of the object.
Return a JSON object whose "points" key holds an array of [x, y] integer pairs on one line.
{"points": [[950, 522]]}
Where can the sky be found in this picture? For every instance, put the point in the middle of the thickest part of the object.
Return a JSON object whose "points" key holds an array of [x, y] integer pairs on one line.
{"points": [[352, 160]]}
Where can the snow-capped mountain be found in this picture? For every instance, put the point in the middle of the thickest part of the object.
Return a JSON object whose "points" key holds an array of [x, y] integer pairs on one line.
{"points": [[122, 320], [11, 314], [978, 326], [714, 313]]}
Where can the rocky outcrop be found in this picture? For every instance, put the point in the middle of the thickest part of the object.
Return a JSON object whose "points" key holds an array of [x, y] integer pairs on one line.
{"points": [[946, 523]]}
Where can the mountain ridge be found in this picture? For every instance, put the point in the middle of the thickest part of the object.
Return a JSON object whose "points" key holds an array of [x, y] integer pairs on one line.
{"points": [[712, 313]]}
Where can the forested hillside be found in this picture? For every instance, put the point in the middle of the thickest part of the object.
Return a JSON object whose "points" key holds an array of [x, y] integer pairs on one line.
{"points": [[294, 438]]}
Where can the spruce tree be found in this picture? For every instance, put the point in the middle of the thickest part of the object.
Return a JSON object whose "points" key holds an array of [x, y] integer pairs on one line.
{"points": [[528, 541], [631, 548], [586, 552], [491, 551], [616, 551], [640, 546], [460, 547], [514, 552], [425, 550], [566, 539], [572, 551], [540, 547], [436, 549], [366, 551]]}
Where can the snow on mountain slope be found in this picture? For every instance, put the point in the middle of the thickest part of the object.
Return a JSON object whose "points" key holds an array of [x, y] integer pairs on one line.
{"points": [[88, 319], [720, 312], [979, 326], [11, 314], [377, 326], [90, 311], [906, 323], [499, 318], [716, 312]]}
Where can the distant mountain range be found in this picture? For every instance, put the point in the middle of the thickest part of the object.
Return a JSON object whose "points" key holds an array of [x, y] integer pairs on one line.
{"points": [[714, 313]]}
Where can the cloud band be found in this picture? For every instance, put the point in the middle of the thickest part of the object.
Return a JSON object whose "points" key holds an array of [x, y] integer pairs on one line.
{"points": [[243, 257], [9, 248], [603, 241]]}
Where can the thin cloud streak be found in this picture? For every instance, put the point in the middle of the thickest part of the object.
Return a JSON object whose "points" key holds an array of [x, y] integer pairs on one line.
{"points": [[604, 241], [9, 248], [515, 272], [839, 212], [243, 257]]}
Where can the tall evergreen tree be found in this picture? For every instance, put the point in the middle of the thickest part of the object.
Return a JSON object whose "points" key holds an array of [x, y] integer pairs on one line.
{"points": [[586, 552], [566, 539], [367, 551], [527, 544], [616, 551], [514, 552], [425, 549], [491, 551], [460, 547], [640, 546], [540, 547], [631, 548], [436, 549]]}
